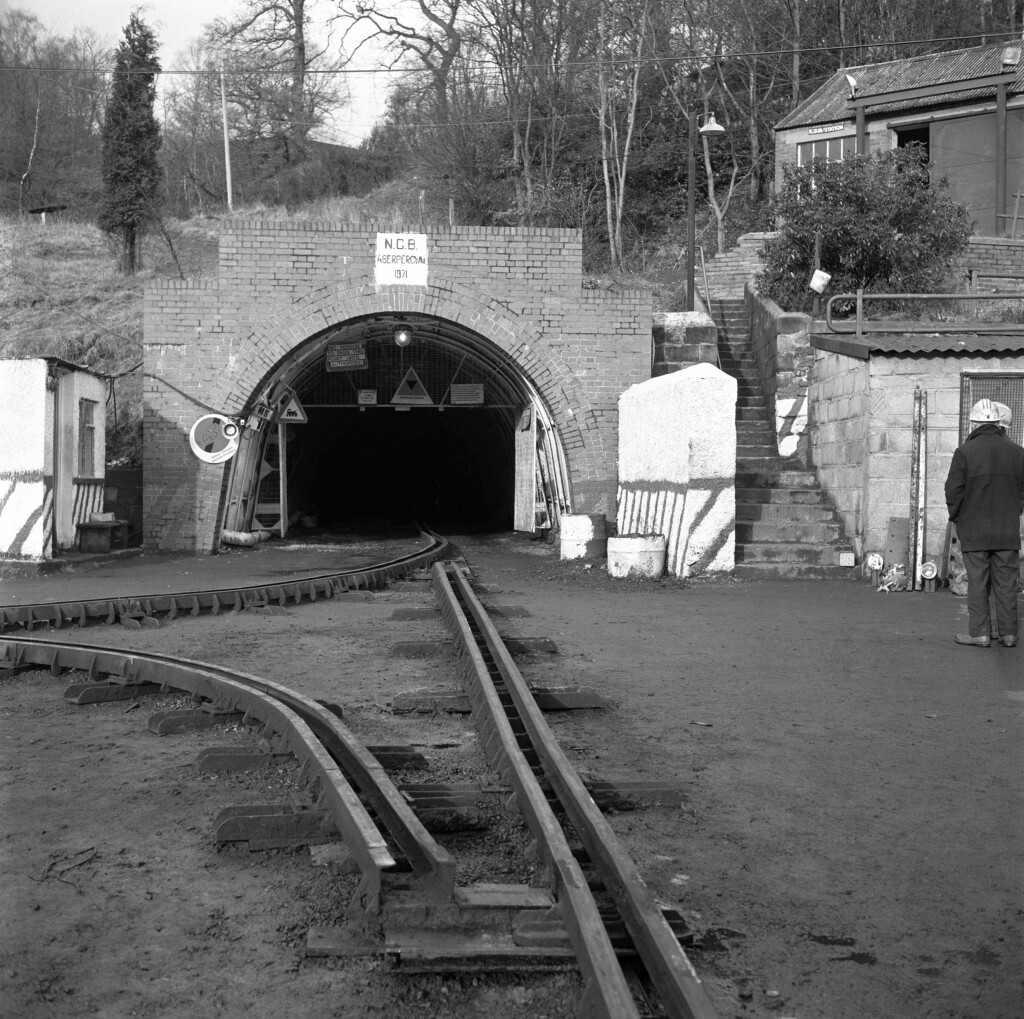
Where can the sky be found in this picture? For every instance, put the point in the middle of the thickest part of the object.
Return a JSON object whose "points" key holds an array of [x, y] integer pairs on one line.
{"points": [[177, 23]]}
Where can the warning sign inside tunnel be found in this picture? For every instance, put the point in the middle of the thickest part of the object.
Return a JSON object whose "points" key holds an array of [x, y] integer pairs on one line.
{"points": [[411, 392]]}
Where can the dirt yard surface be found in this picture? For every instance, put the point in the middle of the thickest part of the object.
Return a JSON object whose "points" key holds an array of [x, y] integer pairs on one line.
{"points": [[847, 840]]}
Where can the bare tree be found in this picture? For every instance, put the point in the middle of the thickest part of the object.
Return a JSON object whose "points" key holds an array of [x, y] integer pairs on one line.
{"points": [[535, 47], [430, 45], [622, 44], [54, 91], [281, 85], [193, 133]]}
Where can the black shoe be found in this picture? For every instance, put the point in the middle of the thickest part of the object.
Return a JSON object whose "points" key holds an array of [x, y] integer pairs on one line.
{"points": [[1009, 641]]}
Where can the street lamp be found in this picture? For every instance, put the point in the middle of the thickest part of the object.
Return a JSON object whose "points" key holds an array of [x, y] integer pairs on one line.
{"points": [[710, 127]]}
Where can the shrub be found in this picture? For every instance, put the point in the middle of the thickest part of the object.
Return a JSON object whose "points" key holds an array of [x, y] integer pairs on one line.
{"points": [[885, 227]]}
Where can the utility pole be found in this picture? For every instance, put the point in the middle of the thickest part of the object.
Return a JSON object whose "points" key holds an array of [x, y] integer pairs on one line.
{"points": [[227, 147]]}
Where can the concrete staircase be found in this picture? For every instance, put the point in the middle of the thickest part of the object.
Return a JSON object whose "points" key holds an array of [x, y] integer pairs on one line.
{"points": [[785, 527]]}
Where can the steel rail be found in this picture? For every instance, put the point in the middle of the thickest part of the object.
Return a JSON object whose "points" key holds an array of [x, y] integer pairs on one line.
{"points": [[668, 967], [230, 599], [322, 743], [606, 992], [859, 327]]}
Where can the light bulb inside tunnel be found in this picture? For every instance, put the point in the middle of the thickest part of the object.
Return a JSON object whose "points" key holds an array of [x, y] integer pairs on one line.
{"points": [[403, 336]]}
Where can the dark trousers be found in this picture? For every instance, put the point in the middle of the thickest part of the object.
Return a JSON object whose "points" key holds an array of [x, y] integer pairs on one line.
{"points": [[998, 572]]}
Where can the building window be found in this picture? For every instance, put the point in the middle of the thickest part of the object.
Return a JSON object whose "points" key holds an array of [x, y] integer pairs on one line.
{"points": [[86, 438], [831, 149]]}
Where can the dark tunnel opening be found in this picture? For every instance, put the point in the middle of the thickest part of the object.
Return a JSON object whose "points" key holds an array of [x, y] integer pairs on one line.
{"points": [[451, 470]]}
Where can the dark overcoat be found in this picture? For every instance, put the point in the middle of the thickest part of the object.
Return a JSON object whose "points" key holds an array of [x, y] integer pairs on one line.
{"points": [[985, 491]]}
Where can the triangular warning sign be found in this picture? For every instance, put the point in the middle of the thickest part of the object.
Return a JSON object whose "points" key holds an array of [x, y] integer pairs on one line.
{"points": [[411, 391], [293, 413]]}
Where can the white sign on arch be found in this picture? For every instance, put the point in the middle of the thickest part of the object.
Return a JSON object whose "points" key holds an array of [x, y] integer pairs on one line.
{"points": [[401, 259]]}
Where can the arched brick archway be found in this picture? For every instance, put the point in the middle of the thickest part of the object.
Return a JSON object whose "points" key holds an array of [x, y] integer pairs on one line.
{"points": [[519, 338], [216, 346]]}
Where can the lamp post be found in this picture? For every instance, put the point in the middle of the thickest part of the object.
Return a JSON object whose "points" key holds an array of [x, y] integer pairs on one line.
{"points": [[711, 127]]}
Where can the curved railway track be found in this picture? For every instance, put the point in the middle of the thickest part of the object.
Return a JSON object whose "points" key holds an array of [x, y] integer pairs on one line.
{"points": [[592, 905], [305, 587]]}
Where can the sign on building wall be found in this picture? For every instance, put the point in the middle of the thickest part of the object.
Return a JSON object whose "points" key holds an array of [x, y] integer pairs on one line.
{"points": [[401, 258], [214, 438], [343, 357]]}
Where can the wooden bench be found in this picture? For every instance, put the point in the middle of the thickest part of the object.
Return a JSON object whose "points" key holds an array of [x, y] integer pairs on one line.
{"points": [[98, 535]]}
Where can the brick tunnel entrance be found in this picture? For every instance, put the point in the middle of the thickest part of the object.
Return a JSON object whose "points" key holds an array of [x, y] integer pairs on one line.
{"points": [[390, 419], [505, 309]]}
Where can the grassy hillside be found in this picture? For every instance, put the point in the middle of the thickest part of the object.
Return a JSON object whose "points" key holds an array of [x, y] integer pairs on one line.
{"points": [[61, 294]]}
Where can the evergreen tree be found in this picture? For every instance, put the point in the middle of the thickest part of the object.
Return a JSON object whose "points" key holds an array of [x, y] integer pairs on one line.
{"points": [[132, 176]]}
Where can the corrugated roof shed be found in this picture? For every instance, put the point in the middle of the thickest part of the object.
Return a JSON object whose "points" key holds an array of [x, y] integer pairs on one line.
{"points": [[828, 104], [918, 343]]}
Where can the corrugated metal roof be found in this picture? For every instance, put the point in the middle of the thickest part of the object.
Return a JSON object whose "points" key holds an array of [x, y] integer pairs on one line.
{"points": [[828, 104], [919, 343], [58, 361]]}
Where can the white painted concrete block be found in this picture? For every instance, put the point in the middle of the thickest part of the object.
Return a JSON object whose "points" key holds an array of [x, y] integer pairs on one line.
{"points": [[677, 467]]}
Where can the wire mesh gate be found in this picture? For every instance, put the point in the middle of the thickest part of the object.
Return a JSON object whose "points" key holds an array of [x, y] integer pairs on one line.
{"points": [[1002, 386]]}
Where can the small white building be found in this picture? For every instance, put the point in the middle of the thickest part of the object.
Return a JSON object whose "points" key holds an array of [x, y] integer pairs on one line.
{"points": [[52, 454]]}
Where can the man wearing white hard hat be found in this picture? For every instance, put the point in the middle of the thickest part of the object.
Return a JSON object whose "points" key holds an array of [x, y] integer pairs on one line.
{"points": [[985, 499]]}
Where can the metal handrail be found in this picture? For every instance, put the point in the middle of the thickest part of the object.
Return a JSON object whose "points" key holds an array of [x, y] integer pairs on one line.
{"points": [[860, 327]]}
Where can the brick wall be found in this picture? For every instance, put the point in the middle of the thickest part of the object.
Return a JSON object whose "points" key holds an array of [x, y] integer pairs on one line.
{"points": [[208, 346], [994, 255]]}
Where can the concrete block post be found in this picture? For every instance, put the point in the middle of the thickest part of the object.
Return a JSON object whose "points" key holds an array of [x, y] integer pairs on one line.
{"points": [[677, 467]]}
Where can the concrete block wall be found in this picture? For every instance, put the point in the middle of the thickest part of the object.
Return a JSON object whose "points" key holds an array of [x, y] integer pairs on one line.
{"points": [[861, 431], [838, 425], [208, 346], [892, 383]]}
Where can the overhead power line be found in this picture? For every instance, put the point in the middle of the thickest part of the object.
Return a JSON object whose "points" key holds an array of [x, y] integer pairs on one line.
{"points": [[625, 61]]}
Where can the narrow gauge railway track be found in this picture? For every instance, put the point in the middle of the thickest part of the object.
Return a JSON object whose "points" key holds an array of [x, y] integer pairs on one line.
{"points": [[335, 764], [304, 587], [520, 745], [403, 871]]}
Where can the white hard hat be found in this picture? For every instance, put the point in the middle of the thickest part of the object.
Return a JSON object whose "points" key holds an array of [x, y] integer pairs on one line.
{"points": [[1005, 415], [985, 411]]}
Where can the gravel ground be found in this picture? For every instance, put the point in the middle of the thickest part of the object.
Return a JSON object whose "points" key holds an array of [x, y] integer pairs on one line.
{"points": [[846, 843]]}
